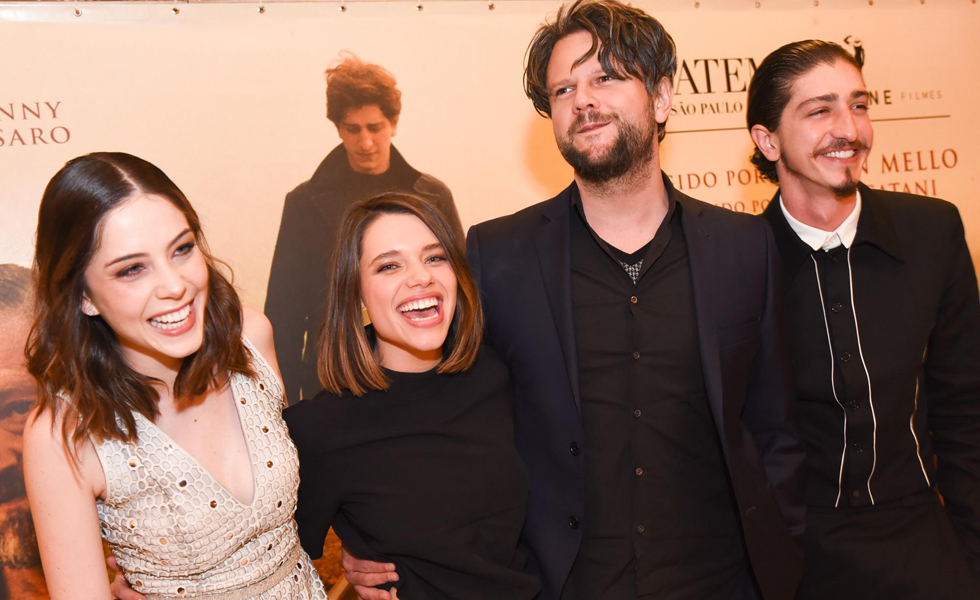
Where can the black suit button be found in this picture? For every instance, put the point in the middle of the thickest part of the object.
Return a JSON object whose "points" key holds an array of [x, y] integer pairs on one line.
{"points": [[574, 448], [573, 522], [845, 357], [837, 307], [636, 355], [640, 528]]}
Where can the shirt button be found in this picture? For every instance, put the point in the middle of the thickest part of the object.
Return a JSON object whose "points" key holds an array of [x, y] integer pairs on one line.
{"points": [[639, 471], [835, 258], [856, 494], [845, 357], [854, 404], [573, 522], [636, 355], [640, 528], [637, 413], [574, 448], [634, 299], [858, 447], [837, 307]]}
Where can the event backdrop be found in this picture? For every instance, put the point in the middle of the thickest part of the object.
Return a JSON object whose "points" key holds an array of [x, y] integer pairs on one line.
{"points": [[228, 99]]}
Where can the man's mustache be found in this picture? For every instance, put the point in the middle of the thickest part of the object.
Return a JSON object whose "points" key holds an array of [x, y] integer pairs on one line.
{"points": [[12, 483], [841, 144]]}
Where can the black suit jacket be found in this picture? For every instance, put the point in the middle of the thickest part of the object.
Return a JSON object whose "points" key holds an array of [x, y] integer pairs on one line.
{"points": [[915, 292], [522, 266]]}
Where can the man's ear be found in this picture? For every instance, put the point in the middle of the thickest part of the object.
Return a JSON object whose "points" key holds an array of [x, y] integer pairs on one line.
{"points": [[662, 100], [87, 307], [394, 125], [766, 141]]}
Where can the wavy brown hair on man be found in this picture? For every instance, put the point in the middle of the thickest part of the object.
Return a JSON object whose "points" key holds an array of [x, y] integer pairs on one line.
{"points": [[353, 83], [81, 374], [346, 354], [628, 41]]}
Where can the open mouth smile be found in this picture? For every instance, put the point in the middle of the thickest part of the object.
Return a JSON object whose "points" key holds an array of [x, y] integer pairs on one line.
{"points": [[423, 311], [174, 321], [841, 154]]}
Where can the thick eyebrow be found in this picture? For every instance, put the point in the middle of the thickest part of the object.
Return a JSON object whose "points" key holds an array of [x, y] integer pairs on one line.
{"points": [[855, 95], [143, 254], [391, 253]]}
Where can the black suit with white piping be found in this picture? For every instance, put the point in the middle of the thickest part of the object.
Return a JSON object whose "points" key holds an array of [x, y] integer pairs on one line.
{"points": [[886, 359]]}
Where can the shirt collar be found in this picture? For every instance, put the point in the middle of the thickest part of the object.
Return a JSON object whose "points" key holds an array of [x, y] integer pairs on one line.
{"points": [[818, 239]]}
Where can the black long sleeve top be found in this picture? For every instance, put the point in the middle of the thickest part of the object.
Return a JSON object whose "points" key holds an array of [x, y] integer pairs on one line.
{"points": [[424, 475]]}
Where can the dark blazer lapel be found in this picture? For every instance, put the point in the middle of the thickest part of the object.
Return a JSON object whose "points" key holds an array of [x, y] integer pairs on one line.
{"points": [[553, 242], [702, 255]]}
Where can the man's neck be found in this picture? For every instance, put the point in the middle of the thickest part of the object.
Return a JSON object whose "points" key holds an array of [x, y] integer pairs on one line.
{"points": [[627, 212], [817, 208]]}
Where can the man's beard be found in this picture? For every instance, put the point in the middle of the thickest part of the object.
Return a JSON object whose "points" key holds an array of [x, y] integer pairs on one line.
{"points": [[18, 542], [629, 153]]}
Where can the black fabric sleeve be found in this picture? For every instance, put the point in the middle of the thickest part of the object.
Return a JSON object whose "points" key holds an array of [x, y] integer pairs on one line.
{"points": [[319, 498], [288, 292], [769, 409], [952, 385]]}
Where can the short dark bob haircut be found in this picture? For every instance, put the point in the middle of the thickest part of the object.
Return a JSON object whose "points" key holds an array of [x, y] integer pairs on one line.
{"points": [[627, 39], [81, 374], [353, 83], [772, 86], [346, 352]]}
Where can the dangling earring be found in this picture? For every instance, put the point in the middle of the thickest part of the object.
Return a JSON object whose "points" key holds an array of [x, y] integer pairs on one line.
{"points": [[365, 317]]}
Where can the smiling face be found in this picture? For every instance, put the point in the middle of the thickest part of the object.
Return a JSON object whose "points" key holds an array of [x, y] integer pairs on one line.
{"points": [[409, 289], [605, 124], [149, 281], [824, 134], [366, 133]]}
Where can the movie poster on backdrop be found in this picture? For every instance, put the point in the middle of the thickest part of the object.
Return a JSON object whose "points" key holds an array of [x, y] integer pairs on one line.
{"points": [[229, 100]]}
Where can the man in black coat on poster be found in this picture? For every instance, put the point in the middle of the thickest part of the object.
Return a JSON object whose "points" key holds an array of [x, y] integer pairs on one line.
{"points": [[885, 321], [364, 104]]}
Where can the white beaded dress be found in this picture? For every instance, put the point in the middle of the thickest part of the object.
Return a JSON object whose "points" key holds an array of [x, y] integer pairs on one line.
{"points": [[178, 533]]}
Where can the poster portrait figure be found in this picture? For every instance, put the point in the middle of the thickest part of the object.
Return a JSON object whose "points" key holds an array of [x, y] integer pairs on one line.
{"points": [[21, 577], [364, 104]]}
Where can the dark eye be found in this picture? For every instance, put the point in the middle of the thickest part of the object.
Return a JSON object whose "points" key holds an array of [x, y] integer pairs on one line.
{"points": [[185, 248], [131, 271], [386, 267], [561, 91], [15, 409]]}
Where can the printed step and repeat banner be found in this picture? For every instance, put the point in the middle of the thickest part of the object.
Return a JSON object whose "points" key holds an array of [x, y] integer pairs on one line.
{"points": [[228, 99]]}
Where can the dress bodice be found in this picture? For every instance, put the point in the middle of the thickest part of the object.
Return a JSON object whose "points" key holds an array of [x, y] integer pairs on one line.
{"points": [[178, 533]]}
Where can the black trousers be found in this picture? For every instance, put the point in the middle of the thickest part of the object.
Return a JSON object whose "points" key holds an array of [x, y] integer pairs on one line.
{"points": [[905, 550]]}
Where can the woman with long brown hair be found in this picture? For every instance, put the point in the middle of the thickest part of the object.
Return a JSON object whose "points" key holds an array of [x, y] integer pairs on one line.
{"points": [[409, 452], [158, 422]]}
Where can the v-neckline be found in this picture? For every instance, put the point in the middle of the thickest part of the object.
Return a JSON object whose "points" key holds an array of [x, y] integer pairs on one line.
{"points": [[232, 379]]}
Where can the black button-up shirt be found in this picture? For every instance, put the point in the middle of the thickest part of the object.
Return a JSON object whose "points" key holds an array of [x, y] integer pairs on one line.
{"points": [[660, 517]]}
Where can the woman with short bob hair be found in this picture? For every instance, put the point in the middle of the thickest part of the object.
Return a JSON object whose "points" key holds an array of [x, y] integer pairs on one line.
{"points": [[409, 451], [158, 422], [347, 357]]}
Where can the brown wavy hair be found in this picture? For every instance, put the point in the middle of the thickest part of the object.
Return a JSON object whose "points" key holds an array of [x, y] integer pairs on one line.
{"points": [[346, 348], [81, 374], [626, 38], [353, 83]]}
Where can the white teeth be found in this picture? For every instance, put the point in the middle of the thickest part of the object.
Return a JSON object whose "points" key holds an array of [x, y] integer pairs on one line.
{"points": [[172, 320], [422, 304], [840, 154]]}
